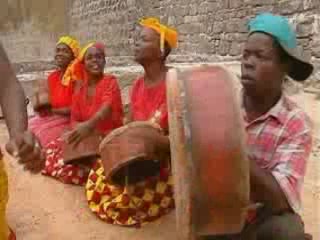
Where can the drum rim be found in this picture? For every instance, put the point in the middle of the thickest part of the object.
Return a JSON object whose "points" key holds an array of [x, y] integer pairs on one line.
{"points": [[174, 98], [119, 131], [185, 124], [83, 154], [122, 164]]}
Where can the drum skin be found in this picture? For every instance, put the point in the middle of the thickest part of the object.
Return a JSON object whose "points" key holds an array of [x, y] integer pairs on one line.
{"points": [[207, 140], [125, 155], [84, 152]]}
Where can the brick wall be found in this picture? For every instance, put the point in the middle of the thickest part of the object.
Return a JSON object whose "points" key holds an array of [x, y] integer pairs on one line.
{"points": [[210, 30], [29, 30]]}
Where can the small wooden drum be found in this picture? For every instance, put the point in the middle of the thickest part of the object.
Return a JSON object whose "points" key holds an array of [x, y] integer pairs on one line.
{"points": [[41, 97], [83, 153], [126, 156], [210, 167]]}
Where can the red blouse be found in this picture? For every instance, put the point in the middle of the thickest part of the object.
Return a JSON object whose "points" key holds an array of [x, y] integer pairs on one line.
{"points": [[145, 101], [107, 93], [60, 96]]}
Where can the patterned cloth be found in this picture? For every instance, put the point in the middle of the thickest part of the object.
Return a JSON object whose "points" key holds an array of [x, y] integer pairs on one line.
{"points": [[280, 141], [148, 200], [66, 173], [133, 205], [4, 230]]}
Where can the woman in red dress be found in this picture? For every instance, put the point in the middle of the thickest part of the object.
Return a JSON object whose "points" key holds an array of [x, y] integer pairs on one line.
{"points": [[96, 106], [152, 198], [49, 124]]}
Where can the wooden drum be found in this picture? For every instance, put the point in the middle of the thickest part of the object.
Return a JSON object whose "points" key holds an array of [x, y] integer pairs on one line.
{"points": [[83, 153], [210, 167], [126, 156]]}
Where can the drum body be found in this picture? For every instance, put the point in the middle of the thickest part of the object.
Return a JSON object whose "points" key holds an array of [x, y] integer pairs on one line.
{"points": [[84, 152], [209, 164], [126, 156]]}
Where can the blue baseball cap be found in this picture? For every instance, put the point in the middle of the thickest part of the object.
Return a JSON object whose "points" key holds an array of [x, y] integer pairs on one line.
{"points": [[281, 30]]}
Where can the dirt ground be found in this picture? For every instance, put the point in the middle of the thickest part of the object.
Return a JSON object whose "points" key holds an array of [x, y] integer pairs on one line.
{"points": [[42, 209]]}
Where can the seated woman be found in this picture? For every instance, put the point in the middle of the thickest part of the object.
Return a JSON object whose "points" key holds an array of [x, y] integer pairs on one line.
{"points": [[49, 124], [148, 102], [96, 106]]}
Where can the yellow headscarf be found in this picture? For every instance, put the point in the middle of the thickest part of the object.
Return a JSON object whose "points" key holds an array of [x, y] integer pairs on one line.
{"points": [[76, 69], [166, 33], [72, 43]]}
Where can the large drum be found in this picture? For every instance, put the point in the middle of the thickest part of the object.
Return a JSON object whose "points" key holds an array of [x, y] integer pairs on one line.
{"points": [[210, 168], [126, 154]]}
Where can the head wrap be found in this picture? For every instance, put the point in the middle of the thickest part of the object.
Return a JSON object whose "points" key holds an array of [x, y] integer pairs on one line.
{"points": [[76, 71], [72, 43], [166, 33]]}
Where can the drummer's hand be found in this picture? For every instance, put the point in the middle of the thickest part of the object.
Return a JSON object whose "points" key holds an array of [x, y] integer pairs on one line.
{"points": [[156, 144], [81, 131], [162, 147], [27, 150]]}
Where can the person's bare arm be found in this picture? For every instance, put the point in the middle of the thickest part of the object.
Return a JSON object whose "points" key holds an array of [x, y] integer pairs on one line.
{"points": [[22, 144], [84, 129], [61, 111], [265, 189], [12, 98], [104, 112]]}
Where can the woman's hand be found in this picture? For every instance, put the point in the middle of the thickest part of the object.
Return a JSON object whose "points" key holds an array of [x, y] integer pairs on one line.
{"points": [[81, 131], [156, 145], [27, 150]]}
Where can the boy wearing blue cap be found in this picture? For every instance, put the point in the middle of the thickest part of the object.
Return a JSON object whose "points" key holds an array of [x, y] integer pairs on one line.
{"points": [[279, 134], [278, 131]]}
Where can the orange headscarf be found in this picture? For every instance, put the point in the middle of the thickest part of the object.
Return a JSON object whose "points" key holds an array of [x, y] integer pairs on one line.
{"points": [[76, 71], [166, 33]]}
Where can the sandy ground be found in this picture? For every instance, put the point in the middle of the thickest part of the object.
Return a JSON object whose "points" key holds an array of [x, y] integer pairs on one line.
{"points": [[42, 209]]}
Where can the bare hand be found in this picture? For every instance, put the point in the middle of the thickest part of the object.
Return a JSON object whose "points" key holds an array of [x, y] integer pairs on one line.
{"points": [[156, 145], [26, 149], [81, 131]]}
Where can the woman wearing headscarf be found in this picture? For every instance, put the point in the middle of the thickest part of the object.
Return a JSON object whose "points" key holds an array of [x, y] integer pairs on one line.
{"points": [[49, 124], [151, 198], [96, 106]]}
